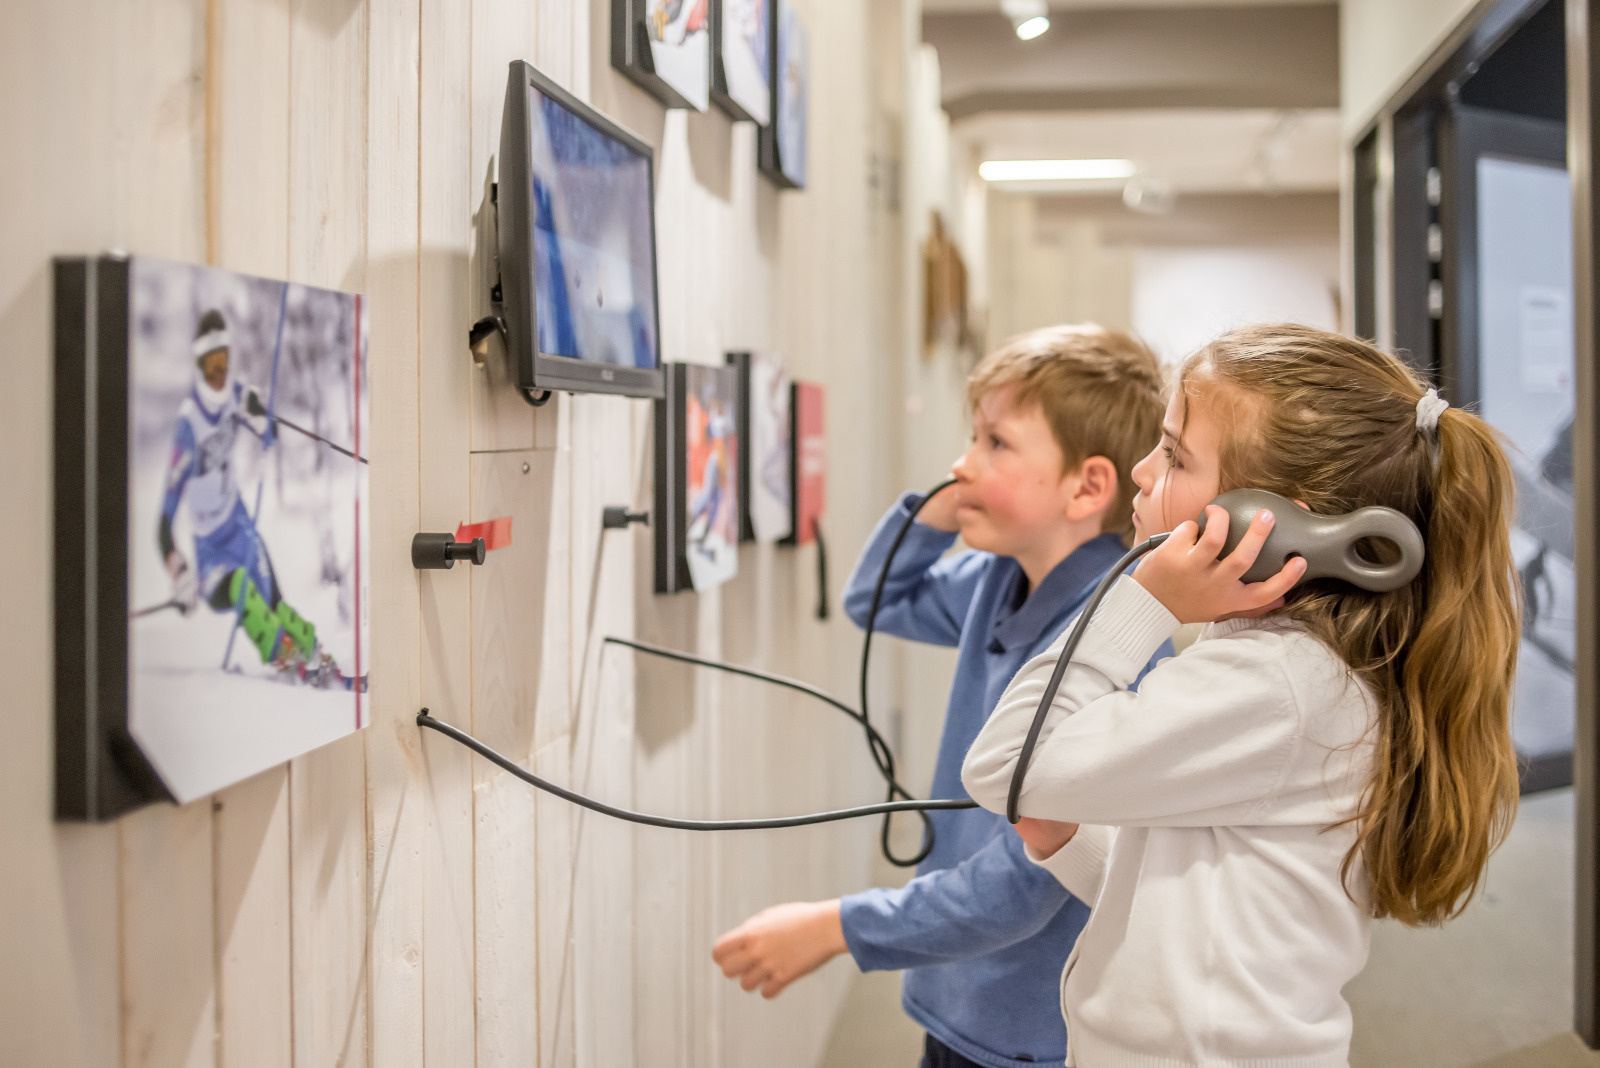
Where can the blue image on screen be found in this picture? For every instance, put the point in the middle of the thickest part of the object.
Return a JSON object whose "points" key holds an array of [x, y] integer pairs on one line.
{"points": [[594, 285]]}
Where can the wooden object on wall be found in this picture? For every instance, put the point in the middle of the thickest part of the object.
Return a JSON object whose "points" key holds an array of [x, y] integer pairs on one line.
{"points": [[944, 290]]}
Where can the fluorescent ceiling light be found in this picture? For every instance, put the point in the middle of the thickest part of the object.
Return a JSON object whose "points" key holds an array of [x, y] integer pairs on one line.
{"points": [[1032, 28], [1054, 170]]}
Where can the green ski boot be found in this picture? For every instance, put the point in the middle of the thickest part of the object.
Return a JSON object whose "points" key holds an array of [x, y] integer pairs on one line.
{"points": [[256, 618], [299, 629]]}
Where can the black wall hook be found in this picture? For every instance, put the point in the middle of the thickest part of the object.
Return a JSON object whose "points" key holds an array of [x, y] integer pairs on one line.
{"points": [[617, 516], [441, 551]]}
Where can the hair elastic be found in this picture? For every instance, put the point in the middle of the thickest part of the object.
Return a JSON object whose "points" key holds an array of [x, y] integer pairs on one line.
{"points": [[1429, 409]]}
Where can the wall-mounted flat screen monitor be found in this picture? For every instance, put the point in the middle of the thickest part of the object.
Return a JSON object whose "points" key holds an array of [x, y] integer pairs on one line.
{"points": [[577, 245]]}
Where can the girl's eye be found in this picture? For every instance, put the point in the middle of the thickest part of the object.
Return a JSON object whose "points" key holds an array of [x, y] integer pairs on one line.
{"points": [[1172, 457]]}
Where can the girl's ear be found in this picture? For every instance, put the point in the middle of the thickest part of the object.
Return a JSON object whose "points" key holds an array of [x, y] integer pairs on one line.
{"points": [[1096, 490]]}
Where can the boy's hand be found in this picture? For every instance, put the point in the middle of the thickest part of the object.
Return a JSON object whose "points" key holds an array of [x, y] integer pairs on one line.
{"points": [[1185, 575], [940, 511], [1044, 837], [776, 946]]}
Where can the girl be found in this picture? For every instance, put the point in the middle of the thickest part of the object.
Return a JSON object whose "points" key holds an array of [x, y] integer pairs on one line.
{"points": [[1320, 756]]}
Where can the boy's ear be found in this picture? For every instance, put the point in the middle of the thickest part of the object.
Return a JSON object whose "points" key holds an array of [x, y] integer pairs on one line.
{"points": [[1097, 488]]}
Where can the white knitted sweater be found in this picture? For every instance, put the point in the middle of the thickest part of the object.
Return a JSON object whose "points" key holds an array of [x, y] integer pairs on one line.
{"points": [[1222, 933]]}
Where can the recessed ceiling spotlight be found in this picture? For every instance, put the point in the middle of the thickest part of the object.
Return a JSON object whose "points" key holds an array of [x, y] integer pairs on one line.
{"points": [[1055, 170], [1029, 18], [1027, 31]]}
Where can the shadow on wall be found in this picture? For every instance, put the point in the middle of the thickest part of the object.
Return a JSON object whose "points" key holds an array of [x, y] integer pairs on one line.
{"points": [[668, 693]]}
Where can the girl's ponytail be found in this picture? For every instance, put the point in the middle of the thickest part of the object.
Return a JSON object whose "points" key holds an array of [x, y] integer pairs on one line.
{"points": [[1339, 425], [1444, 783]]}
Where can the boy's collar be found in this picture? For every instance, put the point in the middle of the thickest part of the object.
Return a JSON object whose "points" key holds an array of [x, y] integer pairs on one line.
{"points": [[1067, 584]]}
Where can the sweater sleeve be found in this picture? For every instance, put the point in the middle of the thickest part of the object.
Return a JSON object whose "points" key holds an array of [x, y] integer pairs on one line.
{"points": [[927, 594], [1206, 739], [1080, 865], [993, 899]]}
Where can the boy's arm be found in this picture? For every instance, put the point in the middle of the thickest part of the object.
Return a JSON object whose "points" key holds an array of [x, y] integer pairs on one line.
{"points": [[993, 899], [926, 597]]}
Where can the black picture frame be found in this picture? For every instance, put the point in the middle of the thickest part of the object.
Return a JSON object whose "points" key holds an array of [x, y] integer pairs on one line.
{"points": [[632, 55], [786, 169], [750, 461], [723, 93], [151, 457], [537, 371], [672, 524], [101, 772]]}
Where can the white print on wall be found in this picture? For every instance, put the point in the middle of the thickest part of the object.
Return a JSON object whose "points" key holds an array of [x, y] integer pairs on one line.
{"points": [[680, 47], [746, 41], [770, 492], [247, 522]]}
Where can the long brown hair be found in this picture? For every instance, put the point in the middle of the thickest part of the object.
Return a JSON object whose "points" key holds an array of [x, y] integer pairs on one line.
{"points": [[1333, 422]]}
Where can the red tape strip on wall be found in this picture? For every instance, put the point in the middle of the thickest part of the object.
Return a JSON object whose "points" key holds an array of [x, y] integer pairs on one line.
{"points": [[496, 533]]}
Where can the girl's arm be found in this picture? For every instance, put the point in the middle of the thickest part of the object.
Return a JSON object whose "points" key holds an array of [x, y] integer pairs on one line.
{"points": [[1208, 739]]}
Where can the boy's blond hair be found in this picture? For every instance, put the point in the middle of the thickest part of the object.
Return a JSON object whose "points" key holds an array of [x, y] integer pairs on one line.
{"points": [[1100, 391]]}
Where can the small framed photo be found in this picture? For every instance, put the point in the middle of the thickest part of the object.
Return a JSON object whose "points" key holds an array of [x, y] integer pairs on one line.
{"points": [[765, 475], [664, 46], [696, 524], [808, 459], [782, 148], [211, 528], [741, 58]]}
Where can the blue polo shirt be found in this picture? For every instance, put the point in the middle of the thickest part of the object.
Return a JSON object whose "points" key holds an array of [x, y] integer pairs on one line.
{"points": [[982, 933]]}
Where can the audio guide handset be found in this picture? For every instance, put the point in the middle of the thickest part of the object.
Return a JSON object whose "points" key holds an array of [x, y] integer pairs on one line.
{"points": [[1330, 545]]}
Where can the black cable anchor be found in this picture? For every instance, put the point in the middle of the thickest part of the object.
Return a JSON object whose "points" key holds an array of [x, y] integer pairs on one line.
{"points": [[441, 551]]}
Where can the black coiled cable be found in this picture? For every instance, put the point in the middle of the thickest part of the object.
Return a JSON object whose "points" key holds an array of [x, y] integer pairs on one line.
{"points": [[882, 756]]}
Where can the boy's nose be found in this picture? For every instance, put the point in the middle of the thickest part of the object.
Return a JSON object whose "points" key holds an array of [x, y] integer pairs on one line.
{"points": [[961, 469]]}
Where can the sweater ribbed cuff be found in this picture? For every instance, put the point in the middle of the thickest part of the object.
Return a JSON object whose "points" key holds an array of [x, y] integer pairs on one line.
{"points": [[1128, 628], [1080, 865]]}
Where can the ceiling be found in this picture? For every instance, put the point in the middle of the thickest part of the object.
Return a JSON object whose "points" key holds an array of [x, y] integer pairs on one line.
{"points": [[943, 6], [1280, 56], [1192, 150], [1208, 96]]}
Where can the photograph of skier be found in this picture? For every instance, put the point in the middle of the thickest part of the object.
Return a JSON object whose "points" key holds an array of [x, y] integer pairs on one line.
{"points": [[680, 47], [713, 523], [247, 533]]}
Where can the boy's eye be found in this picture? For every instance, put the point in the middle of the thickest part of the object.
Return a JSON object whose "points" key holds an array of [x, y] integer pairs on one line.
{"points": [[995, 442]]}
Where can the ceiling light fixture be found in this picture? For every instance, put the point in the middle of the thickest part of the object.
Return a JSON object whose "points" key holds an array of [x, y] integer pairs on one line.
{"points": [[1029, 18], [1055, 170]]}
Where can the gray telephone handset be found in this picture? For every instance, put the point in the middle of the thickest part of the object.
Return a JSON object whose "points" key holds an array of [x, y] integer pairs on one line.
{"points": [[1328, 544]]}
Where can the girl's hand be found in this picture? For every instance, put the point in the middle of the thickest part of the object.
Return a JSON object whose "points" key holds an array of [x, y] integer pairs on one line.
{"points": [[1185, 575], [1044, 837]]}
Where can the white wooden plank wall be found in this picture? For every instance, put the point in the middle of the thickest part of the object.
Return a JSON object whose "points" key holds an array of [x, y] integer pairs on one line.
{"points": [[390, 900]]}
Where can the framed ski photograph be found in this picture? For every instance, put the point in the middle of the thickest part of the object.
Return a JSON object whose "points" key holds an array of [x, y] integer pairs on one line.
{"points": [[664, 46], [696, 523], [782, 144], [211, 528], [741, 64], [763, 446]]}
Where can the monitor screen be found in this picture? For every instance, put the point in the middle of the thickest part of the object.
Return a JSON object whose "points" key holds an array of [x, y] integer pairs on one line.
{"points": [[577, 245]]}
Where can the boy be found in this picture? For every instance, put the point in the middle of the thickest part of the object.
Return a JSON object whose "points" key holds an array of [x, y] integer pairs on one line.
{"points": [[1043, 497]]}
